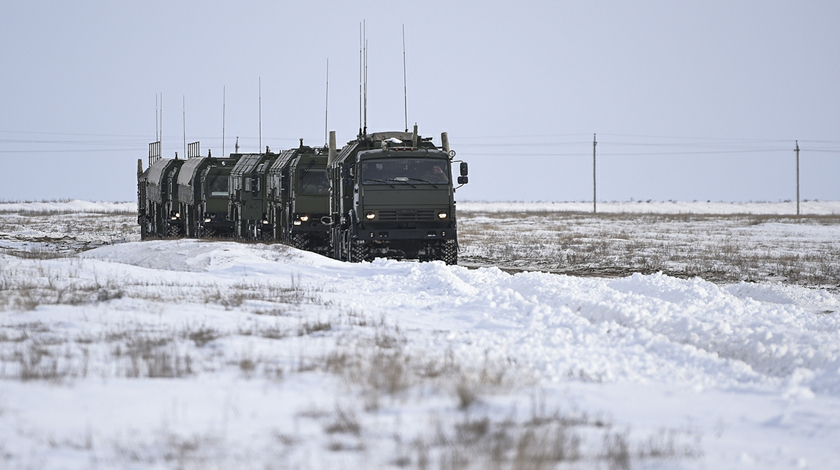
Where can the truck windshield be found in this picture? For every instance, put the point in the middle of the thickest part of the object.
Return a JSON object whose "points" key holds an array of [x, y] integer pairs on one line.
{"points": [[218, 185], [313, 182], [408, 170]]}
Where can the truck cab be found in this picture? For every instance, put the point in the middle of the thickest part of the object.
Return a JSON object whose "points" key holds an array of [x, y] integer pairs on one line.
{"points": [[393, 197]]}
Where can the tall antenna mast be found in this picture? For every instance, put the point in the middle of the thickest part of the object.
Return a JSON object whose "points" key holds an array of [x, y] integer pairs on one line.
{"points": [[157, 129], [259, 149], [366, 78], [327, 104], [160, 137], [223, 122], [184, 124], [405, 86], [360, 79]]}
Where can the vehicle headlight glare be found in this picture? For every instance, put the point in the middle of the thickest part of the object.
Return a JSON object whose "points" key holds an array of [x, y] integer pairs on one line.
{"points": [[304, 218], [442, 215], [370, 215]]}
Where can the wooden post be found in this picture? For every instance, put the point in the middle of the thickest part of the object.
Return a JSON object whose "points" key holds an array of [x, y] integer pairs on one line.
{"points": [[594, 184]]}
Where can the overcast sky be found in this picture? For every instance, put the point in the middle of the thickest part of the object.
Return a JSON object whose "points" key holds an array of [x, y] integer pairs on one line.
{"points": [[689, 100]]}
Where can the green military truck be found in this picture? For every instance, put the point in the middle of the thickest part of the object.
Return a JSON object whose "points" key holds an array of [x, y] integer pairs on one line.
{"points": [[299, 193], [248, 205], [203, 196], [157, 199], [392, 196]]}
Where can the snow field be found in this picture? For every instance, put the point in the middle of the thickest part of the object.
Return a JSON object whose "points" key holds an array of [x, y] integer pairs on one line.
{"points": [[68, 207], [190, 354], [719, 248], [811, 207]]}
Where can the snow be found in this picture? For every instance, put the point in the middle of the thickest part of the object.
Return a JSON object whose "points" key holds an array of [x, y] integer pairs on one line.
{"points": [[68, 206], [812, 207], [277, 352]]}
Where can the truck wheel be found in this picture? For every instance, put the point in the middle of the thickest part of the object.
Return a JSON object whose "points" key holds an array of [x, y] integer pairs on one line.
{"points": [[450, 252], [359, 252], [299, 241]]}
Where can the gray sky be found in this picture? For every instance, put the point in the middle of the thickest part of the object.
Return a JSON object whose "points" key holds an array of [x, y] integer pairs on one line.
{"points": [[689, 100]]}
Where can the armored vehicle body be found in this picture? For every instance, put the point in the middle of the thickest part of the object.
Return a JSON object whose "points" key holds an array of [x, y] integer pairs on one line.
{"points": [[248, 202], [203, 195], [158, 199], [299, 194], [392, 196]]}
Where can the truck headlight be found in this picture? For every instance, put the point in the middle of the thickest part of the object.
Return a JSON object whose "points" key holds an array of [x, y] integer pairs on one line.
{"points": [[304, 218], [370, 215], [442, 215]]}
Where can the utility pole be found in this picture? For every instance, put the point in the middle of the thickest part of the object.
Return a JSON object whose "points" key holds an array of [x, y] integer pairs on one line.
{"points": [[797, 177], [594, 186], [223, 122]]}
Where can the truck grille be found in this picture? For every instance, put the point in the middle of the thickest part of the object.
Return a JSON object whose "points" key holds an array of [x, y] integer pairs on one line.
{"points": [[402, 215]]}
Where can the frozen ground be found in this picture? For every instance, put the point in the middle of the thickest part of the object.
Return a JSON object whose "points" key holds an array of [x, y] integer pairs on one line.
{"points": [[191, 354], [809, 207], [739, 242]]}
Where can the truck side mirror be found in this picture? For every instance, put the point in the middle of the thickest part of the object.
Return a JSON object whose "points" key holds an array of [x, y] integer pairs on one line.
{"points": [[464, 171], [463, 180]]}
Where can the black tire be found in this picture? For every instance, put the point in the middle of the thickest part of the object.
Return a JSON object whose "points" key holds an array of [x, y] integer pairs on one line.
{"points": [[174, 231], [144, 231], [300, 241], [359, 252], [449, 252]]}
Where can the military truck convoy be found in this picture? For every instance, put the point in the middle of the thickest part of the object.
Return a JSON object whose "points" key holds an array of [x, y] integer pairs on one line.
{"points": [[386, 194]]}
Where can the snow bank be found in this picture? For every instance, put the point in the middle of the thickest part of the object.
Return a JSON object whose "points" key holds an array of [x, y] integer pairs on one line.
{"points": [[751, 369], [640, 329]]}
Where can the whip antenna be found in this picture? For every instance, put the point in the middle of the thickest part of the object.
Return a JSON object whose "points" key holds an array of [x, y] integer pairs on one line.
{"points": [[259, 85], [327, 105], [360, 79], [405, 86], [366, 78]]}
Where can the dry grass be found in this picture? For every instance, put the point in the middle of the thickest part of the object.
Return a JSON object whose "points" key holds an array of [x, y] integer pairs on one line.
{"points": [[377, 368], [719, 248], [462, 423]]}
